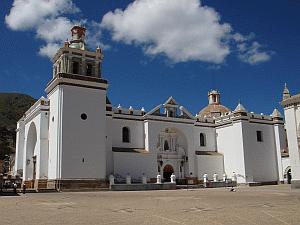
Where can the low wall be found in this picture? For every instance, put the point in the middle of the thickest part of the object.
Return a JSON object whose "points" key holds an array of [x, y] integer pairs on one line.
{"points": [[142, 187], [220, 184], [76, 184], [253, 184]]}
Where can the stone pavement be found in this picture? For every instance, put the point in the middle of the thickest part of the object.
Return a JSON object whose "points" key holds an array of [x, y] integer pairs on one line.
{"points": [[256, 205]]}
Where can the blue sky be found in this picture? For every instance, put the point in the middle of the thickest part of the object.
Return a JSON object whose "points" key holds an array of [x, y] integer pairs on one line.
{"points": [[143, 70]]}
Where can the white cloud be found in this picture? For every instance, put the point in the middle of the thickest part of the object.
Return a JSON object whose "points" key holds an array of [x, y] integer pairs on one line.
{"points": [[237, 37], [182, 30], [46, 18], [27, 14], [253, 54], [49, 49], [52, 30], [94, 34], [179, 29]]}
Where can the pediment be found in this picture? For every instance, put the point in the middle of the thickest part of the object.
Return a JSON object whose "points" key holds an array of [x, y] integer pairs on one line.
{"points": [[171, 101], [171, 105]]}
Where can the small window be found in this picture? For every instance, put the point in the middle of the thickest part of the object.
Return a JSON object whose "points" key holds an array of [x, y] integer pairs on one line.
{"points": [[166, 146], [202, 140], [126, 135], [259, 136], [75, 67], [89, 69], [83, 116], [171, 114], [214, 99], [99, 68]]}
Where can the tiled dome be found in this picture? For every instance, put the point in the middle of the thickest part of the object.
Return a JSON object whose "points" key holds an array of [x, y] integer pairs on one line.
{"points": [[213, 110]]}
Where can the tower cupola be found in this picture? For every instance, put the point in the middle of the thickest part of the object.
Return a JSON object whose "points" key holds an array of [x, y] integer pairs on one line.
{"points": [[214, 97], [78, 36]]}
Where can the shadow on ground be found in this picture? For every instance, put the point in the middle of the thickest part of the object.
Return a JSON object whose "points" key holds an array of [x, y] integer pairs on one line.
{"points": [[9, 193]]}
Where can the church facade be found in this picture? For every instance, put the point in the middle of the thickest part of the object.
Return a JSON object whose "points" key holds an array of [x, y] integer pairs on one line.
{"points": [[75, 137]]}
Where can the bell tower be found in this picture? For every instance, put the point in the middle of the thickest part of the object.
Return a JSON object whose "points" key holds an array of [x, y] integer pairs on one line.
{"points": [[77, 134], [75, 59]]}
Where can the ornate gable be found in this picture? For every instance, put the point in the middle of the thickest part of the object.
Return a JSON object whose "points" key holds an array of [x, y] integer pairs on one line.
{"points": [[171, 109], [171, 101]]}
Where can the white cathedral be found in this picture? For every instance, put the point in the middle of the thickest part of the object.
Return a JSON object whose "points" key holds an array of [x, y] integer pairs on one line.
{"points": [[75, 138]]}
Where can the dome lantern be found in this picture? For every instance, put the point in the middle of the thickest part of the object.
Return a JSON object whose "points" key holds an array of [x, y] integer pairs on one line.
{"points": [[214, 107]]}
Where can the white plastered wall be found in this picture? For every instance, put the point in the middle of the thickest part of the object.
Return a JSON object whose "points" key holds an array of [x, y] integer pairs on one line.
{"points": [[280, 142], [20, 141], [135, 164], [230, 144], [210, 138], [109, 153], [260, 157], [83, 149], [291, 121], [36, 144], [210, 164], [136, 129], [55, 98]]}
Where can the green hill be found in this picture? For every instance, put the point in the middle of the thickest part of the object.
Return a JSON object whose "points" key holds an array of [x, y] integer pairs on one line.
{"points": [[12, 108]]}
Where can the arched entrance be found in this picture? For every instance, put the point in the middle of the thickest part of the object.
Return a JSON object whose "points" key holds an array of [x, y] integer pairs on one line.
{"points": [[172, 149], [167, 172], [289, 176], [30, 150]]}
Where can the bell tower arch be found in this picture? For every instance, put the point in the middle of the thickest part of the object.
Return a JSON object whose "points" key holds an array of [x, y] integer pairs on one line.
{"points": [[75, 58]]}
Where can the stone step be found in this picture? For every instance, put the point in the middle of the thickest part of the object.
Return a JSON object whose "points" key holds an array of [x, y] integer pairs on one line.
{"points": [[85, 189], [46, 190], [28, 190], [40, 190]]}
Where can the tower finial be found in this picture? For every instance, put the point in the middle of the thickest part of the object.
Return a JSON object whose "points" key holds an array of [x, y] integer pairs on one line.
{"points": [[66, 43], [286, 92], [78, 36], [240, 108], [276, 113]]}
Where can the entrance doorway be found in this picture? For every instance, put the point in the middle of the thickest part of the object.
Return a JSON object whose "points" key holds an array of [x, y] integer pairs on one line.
{"points": [[289, 176], [168, 170]]}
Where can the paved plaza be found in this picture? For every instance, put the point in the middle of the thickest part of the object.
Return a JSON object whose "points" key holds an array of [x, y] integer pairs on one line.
{"points": [[248, 205]]}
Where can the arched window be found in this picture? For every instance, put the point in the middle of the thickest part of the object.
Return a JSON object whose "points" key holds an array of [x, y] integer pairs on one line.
{"points": [[202, 140], [59, 67], [126, 134], [89, 69], [214, 99], [166, 145], [75, 67]]}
